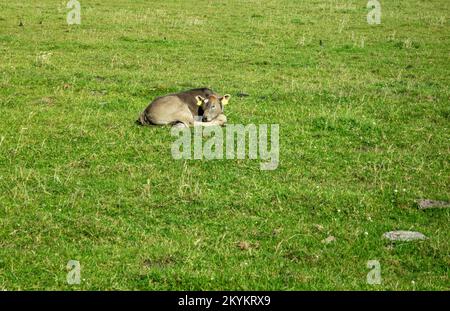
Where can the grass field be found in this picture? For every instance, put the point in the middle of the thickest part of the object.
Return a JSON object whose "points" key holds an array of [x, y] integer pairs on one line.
{"points": [[364, 117]]}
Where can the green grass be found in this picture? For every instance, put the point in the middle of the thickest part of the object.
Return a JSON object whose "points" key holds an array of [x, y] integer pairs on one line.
{"points": [[364, 131]]}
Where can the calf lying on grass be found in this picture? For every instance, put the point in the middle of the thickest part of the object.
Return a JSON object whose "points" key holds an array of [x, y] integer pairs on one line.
{"points": [[182, 109]]}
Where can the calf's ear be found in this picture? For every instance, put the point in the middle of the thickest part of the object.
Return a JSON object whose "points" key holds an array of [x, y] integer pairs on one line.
{"points": [[200, 100], [224, 100]]}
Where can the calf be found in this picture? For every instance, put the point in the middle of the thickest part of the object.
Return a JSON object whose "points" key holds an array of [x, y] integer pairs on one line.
{"points": [[186, 108]]}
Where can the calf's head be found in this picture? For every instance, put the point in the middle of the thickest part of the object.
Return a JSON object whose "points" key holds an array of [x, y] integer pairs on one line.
{"points": [[212, 106]]}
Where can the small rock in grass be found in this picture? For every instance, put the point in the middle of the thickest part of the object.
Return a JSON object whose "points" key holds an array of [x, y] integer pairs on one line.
{"points": [[404, 235], [426, 203], [319, 227], [44, 101], [244, 245], [329, 240]]}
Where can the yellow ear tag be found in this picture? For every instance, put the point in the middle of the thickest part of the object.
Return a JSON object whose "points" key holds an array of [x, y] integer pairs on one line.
{"points": [[199, 102], [225, 99]]}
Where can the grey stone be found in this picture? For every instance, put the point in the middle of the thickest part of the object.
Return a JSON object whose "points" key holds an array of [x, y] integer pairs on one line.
{"points": [[404, 235], [427, 203], [329, 240]]}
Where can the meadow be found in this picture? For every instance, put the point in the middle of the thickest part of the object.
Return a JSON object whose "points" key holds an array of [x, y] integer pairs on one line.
{"points": [[363, 111]]}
